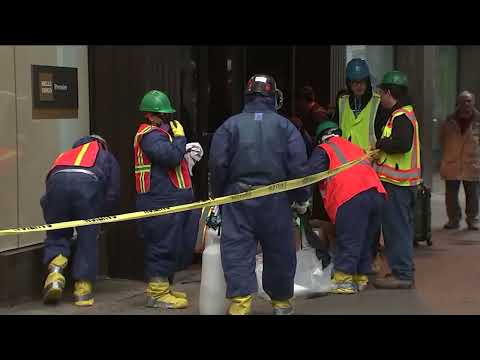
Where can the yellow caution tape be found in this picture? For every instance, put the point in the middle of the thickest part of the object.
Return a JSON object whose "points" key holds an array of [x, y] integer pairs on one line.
{"points": [[251, 194]]}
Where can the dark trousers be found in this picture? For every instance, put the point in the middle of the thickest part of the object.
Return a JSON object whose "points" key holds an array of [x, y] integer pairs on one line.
{"points": [[357, 224], [267, 220], [73, 196], [454, 210], [398, 228]]}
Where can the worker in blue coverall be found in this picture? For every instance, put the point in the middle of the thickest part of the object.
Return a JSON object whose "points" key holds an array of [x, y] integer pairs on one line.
{"points": [[254, 148], [162, 179], [83, 183]]}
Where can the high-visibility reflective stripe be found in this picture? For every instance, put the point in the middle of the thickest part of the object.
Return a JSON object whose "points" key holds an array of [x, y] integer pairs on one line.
{"points": [[401, 175], [142, 168], [178, 169], [80, 171], [415, 150], [181, 181], [142, 182], [412, 175], [137, 142], [413, 164], [338, 152], [341, 156], [373, 113], [400, 182], [343, 104], [81, 154], [166, 132]]}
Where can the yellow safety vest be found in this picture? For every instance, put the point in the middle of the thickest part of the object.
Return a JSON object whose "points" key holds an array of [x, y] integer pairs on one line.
{"points": [[401, 169], [359, 130]]}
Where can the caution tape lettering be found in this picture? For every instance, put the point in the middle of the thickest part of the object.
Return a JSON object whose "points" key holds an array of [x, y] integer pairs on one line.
{"points": [[250, 194]]}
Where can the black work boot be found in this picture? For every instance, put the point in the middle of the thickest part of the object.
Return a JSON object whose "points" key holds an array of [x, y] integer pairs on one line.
{"points": [[390, 281], [473, 225], [451, 225]]}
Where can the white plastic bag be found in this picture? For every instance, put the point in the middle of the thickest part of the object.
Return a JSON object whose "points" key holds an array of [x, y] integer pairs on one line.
{"points": [[212, 299], [310, 278]]}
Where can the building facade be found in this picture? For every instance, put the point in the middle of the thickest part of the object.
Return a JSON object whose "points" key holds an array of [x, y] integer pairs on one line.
{"points": [[206, 86]]}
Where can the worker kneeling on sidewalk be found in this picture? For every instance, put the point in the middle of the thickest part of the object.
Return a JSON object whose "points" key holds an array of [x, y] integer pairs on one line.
{"points": [[353, 200], [162, 179], [83, 183]]}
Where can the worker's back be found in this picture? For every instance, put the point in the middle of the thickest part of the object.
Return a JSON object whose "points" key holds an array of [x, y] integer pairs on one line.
{"points": [[260, 147], [256, 147]]}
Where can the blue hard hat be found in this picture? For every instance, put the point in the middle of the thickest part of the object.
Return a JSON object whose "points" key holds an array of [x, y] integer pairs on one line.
{"points": [[357, 69]]}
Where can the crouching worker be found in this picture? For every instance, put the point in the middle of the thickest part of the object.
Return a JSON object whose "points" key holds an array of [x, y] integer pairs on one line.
{"points": [[353, 199], [83, 183]]}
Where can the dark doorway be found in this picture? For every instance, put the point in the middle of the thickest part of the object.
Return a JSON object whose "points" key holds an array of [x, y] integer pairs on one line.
{"points": [[277, 62], [118, 78], [206, 86], [312, 67]]}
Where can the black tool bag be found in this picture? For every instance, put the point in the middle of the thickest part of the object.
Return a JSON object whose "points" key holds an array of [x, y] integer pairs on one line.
{"points": [[423, 216]]}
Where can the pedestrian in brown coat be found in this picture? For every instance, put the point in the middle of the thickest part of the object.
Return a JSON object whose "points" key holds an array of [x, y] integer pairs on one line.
{"points": [[459, 139]]}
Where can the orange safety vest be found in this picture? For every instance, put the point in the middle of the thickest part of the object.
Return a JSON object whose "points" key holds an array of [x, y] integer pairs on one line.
{"points": [[179, 176], [340, 188], [84, 155]]}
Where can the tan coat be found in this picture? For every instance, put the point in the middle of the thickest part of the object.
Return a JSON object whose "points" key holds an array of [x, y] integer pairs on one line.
{"points": [[460, 153]]}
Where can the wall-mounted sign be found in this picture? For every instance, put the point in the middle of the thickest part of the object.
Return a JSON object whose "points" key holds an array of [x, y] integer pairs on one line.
{"points": [[55, 92]]}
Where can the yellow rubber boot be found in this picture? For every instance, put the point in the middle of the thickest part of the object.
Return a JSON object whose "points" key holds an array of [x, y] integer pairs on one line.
{"points": [[282, 307], [178, 294], [343, 283], [83, 293], [159, 295], [55, 282], [361, 281], [241, 305]]}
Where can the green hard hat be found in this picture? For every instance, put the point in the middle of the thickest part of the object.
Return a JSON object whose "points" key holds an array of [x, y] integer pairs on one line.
{"points": [[157, 102], [395, 78], [325, 125]]}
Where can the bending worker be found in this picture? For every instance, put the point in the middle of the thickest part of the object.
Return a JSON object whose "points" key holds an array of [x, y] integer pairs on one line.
{"points": [[162, 179], [353, 200], [253, 148], [83, 183]]}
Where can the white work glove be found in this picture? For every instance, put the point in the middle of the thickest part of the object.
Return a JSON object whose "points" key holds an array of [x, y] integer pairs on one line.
{"points": [[196, 150], [301, 208], [193, 155]]}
